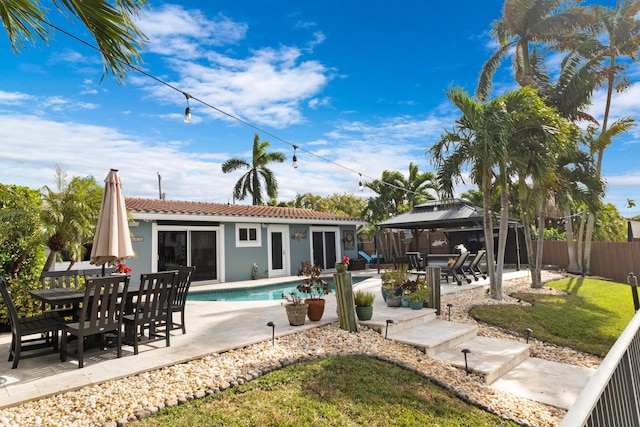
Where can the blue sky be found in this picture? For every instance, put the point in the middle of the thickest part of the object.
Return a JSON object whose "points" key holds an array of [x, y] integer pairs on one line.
{"points": [[359, 83]]}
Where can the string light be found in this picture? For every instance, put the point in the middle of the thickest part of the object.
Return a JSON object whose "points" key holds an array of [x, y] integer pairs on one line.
{"points": [[295, 158], [187, 111]]}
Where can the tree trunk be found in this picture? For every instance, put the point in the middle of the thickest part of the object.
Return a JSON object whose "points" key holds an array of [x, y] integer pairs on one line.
{"points": [[527, 234], [50, 258], [573, 266], [495, 290], [581, 238], [537, 276], [587, 245], [502, 233]]}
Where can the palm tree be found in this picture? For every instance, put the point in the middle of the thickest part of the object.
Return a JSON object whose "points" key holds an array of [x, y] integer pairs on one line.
{"points": [[623, 32], [415, 186], [478, 139], [250, 182], [111, 23], [526, 22], [69, 213], [630, 204]]}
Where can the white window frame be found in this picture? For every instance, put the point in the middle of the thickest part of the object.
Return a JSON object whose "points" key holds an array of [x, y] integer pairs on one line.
{"points": [[249, 243]]}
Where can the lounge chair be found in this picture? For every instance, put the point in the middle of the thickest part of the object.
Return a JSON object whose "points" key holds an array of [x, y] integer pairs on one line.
{"points": [[456, 269], [416, 264], [473, 267], [44, 327]]}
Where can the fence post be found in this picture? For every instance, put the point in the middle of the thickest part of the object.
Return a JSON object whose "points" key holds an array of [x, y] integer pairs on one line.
{"points": [[633, 281], [433, 280]]}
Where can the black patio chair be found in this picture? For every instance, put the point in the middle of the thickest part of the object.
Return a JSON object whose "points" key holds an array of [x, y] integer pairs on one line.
{"points": [[101, 312], [416, 264], [178, 297], [473, 267], [44, 327], [456, 269], [149, 310], [58, 280]]}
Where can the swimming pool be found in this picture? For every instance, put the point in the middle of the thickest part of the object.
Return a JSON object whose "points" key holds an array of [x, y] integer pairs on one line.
{"points": [[258, 293]]}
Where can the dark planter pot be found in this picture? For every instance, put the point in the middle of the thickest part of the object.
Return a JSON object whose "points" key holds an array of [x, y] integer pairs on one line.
{"points": [[296, 314], [364, 313], [316, 308]]}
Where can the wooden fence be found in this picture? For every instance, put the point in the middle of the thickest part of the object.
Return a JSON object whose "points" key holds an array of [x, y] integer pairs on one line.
{"points": [[612, 260]]}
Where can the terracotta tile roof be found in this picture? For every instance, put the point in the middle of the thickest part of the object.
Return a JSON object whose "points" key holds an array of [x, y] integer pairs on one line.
{"points": [[220, 209]]}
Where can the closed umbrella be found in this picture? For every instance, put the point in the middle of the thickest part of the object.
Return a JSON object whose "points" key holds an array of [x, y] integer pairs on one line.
{"points": [[112, 242]]}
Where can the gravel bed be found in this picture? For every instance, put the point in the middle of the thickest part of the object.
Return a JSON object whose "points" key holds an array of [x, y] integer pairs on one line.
{"points": [[120, 402]]}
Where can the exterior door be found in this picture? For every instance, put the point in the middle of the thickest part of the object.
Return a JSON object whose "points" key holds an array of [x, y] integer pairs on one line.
{"points": [[324, 248], [278, 250]]}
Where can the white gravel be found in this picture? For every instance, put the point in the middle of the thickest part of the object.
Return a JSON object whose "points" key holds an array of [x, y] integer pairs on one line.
{"points": [[126, 400]]}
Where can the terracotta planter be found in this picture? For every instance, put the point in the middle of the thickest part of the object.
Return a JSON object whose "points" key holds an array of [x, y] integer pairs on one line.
{"points": [[364, 313], [296, 313], [316, 308]]}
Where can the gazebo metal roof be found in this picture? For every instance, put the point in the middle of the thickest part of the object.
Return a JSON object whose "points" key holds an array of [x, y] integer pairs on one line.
{"points": [[438, 214]]}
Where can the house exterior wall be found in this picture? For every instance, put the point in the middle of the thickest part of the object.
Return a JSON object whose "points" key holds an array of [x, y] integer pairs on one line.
{"points": [[236, 263]]}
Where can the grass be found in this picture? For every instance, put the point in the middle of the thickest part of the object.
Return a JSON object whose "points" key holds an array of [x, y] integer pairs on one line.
{"points": [[335, 391], [590, 318]]}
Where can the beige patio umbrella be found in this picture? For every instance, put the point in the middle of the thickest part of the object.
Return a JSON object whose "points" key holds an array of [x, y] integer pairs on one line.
{"points": [[112, 241]]}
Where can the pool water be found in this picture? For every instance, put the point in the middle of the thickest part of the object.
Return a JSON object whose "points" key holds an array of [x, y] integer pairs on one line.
{"points": [[258, 293]]}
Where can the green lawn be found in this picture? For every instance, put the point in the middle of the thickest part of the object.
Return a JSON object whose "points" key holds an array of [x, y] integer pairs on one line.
{"points": [[590, 318], [335, 391]]}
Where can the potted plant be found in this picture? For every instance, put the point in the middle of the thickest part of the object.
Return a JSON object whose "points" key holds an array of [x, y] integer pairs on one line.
{"points": [[392, 281], [296, 309], [416, 292], [315, 289], [364, 304], [341, 267]]}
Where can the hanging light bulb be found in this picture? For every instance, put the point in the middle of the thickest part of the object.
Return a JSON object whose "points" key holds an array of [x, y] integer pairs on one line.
{"points": [[360, 184], [295, 158], [187, 111]]}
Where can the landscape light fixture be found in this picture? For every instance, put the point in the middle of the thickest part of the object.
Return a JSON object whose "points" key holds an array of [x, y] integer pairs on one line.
{"points": [[528, 331], [295, 158], [187, 111], [273, 332], [387, 327], [449, 309], [466, 365], [360, 184]]}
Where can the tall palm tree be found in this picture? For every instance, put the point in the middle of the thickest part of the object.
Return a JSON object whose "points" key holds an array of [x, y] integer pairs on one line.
{"points": [[524, 23], [70, 213], [250, 182], [623, 33], [111, 23], [478, 139]]}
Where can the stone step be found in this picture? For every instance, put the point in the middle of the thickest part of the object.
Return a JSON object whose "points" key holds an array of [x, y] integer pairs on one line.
{"points": [[488, 357], [435, 336], [402, 318]]}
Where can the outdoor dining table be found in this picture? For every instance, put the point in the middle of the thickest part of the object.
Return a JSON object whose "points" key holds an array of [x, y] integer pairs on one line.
{"points": [[69, 296]]}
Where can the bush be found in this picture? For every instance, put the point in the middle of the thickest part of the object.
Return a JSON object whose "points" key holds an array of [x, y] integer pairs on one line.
{"points": [[363, 299]]}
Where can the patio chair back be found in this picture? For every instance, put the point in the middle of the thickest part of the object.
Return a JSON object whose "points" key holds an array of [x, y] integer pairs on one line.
{"points": [[150, 308], [101, 312], [473, 268], [44, 326], [178, 296]]}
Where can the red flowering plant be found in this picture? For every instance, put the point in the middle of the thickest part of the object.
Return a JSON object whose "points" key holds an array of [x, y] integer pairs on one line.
{"points": [[312, 284], [345, 260], [123, 269]]}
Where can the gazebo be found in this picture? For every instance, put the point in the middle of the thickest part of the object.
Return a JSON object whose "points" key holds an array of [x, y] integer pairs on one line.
{"points": [[459, 221]]}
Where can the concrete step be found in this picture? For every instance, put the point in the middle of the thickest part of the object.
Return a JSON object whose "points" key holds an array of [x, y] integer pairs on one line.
{"points": [[553, 383], [488, 357], [435, 336], [402, 318]]}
